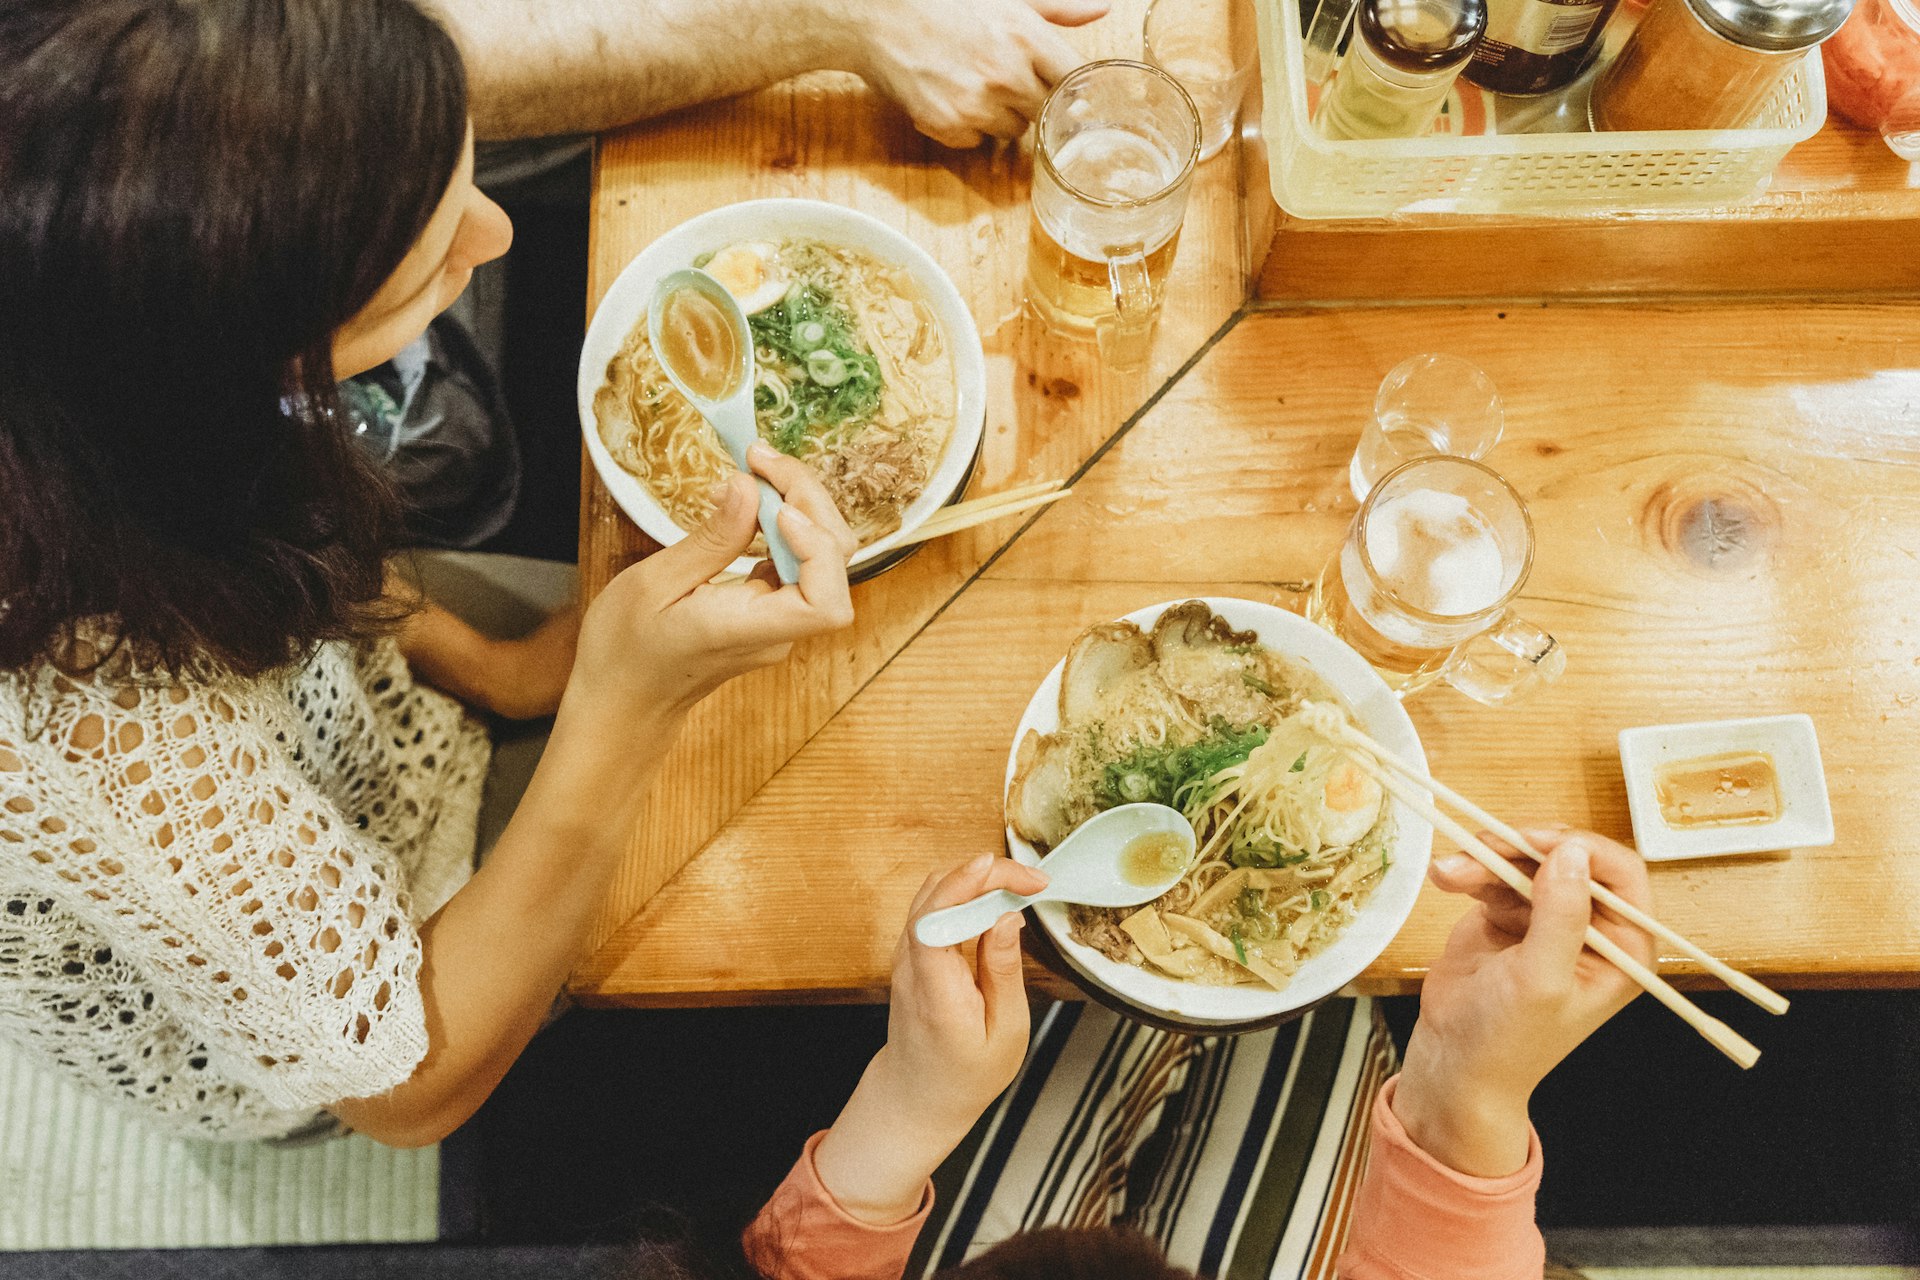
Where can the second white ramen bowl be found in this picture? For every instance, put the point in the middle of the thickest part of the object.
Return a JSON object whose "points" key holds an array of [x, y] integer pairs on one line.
{"points": [[625, 306], [1380, 714]]}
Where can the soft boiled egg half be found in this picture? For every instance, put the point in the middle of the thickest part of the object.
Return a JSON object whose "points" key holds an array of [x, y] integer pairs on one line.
{"points": [[748, 271], [1350, 804]]}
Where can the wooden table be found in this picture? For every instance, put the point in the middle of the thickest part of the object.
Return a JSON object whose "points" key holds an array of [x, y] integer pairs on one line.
{"points": [[1727, 495]]}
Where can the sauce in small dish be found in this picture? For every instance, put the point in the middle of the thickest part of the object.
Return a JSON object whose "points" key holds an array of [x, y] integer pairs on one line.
{"points": [[697, 343], [1730, 789], [1719, 787], [1152, 857]]}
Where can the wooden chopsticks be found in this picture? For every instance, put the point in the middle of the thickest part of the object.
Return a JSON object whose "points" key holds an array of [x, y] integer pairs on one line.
{"points": [[1370, 755], [965, 515]]}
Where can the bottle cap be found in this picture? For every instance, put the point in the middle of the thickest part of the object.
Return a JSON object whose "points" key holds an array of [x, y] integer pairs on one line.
{"points": [[1778, 26], [1422, 35]]}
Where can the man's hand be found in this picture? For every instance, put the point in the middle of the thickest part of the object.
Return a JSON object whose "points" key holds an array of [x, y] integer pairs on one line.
{"points": [[968, 71]]}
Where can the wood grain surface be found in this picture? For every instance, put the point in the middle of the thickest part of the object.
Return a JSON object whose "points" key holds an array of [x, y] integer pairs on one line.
{"points": [[1727, 500], [1050, 401]]}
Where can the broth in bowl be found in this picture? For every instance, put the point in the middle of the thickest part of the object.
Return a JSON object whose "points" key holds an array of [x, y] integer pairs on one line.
{"points": [[1206, 719], [1305, 870], [854, 375]]}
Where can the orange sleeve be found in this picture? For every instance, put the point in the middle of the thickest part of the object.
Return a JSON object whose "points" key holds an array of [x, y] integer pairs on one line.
{"points": [[1416, 1219], [804, 1234]]}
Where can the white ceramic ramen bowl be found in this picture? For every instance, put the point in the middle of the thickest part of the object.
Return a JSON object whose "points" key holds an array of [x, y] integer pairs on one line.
{"points": [[625, 306], [1380, 714]]}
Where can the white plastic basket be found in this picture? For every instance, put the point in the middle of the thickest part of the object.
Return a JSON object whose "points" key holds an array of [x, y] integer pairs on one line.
{"points": [[1535, 174]]}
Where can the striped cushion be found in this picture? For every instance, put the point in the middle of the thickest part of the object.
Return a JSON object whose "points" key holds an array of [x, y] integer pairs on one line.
{"points": [[1239, 1154]]}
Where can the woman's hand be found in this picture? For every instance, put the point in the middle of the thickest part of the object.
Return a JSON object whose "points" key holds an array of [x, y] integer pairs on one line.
{"points": [[956, 1033], [968, 72], [1514, 992], [663, 635]]}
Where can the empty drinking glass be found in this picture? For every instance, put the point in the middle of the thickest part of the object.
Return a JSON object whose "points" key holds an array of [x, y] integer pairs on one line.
{"points": [[1430, 405], [1208, 46]]}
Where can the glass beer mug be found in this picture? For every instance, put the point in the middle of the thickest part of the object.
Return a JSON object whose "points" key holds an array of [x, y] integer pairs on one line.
{"points": [[1422, 584], [1117, 142]]}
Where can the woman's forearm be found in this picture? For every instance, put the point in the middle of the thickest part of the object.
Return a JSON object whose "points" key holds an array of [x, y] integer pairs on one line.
{"points": [[539, 68], [496, 955]]}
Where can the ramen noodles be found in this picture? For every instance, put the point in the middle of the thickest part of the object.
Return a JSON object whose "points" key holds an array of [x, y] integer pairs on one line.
{"points": [[1293, 837], [853, 375]]}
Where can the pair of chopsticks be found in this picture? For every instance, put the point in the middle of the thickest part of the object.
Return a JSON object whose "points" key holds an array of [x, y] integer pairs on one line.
{"points": [[965, 515], [1370, 756]]}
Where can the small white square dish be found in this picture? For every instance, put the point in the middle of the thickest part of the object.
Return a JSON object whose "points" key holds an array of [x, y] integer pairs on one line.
{"points": [[1806, 816]]}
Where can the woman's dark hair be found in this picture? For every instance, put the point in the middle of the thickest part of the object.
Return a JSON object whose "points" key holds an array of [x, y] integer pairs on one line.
{"points": [[194, 195], [1062, 1253], [1049, 1253]]}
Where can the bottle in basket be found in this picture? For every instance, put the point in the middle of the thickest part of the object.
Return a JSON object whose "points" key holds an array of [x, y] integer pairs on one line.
{"points": [[1404, 57], [1537, 46]]}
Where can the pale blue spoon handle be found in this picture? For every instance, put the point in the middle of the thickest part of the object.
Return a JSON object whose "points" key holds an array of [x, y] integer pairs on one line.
{"points": [[785, 563], [954, 925]]}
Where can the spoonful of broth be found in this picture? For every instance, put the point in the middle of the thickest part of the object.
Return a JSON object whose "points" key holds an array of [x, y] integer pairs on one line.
{"points": [[706, 348], [1121, 858]]}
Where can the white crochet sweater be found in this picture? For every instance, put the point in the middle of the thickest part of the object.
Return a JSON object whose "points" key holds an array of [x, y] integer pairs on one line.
{"points": [[210, 893]]}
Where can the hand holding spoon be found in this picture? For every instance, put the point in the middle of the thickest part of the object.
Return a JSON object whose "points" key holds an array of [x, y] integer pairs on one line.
{"points": [[701, 336], [1121, 858]]}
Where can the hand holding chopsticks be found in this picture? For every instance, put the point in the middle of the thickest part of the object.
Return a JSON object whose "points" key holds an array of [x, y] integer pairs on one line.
{"points": [[1407, 783]]}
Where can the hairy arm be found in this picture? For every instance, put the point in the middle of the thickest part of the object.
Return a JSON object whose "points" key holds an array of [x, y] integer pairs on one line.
{"points": [[587, 65], [962, 71]]}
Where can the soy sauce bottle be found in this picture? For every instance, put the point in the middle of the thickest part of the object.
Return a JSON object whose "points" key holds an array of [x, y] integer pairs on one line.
{"points": [[1404, 57], [1537, 46]]}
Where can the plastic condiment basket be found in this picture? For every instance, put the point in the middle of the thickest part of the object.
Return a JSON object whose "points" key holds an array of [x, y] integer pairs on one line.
{"points": [[1534, 174]]}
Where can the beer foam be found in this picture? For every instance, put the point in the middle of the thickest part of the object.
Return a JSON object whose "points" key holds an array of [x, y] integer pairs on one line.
{"points": [[1110, 163], [1436, 552]]}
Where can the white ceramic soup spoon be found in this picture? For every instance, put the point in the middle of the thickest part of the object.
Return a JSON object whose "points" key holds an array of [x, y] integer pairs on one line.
{"points": [[702, 340], [1121, 858]]}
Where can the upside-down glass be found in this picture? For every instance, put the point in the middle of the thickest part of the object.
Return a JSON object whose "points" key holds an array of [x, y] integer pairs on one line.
{"points": [[1209, 47], [1427, 405], [1421, 587], [1115, 156]]}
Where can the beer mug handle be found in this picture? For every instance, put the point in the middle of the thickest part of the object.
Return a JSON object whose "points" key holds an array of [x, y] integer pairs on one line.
{"points": [[1499, 665], [1124, 336]]}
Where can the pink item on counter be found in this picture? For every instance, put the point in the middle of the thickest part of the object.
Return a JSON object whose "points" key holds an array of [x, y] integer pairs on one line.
{"points": [[1873, 63]]}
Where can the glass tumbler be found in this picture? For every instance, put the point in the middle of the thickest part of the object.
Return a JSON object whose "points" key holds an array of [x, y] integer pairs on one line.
{"points": [[1427, 405], [1117, 142], [1423, 584], [1209, 46]]}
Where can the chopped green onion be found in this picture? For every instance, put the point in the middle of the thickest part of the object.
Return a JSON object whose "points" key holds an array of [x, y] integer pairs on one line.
{"points": [[1319, 899], [826, 368], [809, 333], [1258, 685], [1299, 764], [1239, 948], [1136, 786]]}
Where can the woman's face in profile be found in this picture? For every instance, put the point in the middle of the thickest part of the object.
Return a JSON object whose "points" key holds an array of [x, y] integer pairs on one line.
{"points": [[466, 230]]}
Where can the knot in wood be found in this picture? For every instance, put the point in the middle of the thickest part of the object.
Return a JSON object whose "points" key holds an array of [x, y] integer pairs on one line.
{"points": [[1717, 523]]}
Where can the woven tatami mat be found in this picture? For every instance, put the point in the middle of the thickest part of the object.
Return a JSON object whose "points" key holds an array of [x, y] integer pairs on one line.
{"points": [[78, 1173]]}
